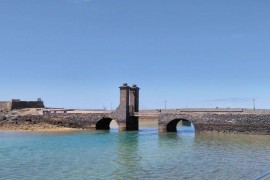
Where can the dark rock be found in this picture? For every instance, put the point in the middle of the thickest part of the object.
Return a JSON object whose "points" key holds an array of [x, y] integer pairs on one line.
{"points": [[2, 118], [29, 120]]}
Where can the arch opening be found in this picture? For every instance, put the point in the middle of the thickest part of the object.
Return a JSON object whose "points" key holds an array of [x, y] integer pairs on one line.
{"points": [[106, 124], [114, 125], [181, 125]]}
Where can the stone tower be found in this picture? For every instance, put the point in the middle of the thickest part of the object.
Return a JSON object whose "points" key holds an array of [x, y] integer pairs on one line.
{"points": [[124, 99], [134, 99], [129, 103]]}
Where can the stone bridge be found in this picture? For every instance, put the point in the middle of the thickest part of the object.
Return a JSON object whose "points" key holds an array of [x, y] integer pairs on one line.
{"points": [[225, 122], [123, 115], [127, 116]]}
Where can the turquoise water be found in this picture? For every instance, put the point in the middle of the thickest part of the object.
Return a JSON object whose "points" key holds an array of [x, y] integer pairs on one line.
{"points": [[146, 154]]}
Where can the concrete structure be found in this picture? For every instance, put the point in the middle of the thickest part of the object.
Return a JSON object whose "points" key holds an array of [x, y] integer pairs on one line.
{"points": [[18, 104]]}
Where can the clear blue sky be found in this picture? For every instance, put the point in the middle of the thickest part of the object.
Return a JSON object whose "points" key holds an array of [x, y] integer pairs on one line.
{"points": [[194, 53]]}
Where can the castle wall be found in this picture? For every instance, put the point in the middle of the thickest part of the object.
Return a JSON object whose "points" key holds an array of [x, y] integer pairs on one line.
{"points": [[10, 105], [27, 104]]}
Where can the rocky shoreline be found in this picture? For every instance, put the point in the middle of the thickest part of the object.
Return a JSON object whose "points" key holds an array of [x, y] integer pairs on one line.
{"points": [[21, 120]]}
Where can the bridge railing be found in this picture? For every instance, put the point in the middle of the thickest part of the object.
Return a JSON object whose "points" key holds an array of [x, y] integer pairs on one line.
{"points": [[157, 111], [145, 114]]}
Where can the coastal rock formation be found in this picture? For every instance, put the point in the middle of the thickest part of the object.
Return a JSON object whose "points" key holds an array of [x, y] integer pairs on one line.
{"points": [[25, 119]]}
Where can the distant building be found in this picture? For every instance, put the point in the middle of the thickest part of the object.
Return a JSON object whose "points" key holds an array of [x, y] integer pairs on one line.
{"points": [[48, 111], [18, 104]]}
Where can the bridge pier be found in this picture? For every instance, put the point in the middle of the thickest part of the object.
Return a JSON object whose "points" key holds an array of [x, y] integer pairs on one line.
{"points": [[162, 128], [129, 104]]}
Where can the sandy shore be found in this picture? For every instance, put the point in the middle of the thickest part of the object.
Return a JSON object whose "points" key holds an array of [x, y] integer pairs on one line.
{"points": [[36, 127]]}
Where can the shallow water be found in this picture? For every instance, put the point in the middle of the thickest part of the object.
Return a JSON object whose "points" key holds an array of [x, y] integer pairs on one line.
{"points": [[145, 154]]}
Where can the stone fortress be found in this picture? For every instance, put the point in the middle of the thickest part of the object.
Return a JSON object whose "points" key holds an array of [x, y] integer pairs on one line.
{"points": [[18, 104]]}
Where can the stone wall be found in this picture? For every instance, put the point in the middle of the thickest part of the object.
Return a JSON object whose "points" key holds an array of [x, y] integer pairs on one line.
{"points": [[221, 122], [84, 121], [26, 104], [10, 105]]}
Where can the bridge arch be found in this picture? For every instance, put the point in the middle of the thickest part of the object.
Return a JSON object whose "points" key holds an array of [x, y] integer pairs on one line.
{"points": [[168, 122], [104, 123], [171, 126]]}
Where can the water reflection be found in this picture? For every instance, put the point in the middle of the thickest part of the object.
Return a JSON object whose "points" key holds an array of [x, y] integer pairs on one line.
{"points": [[146, 154], [233, 139], [113, 125], [233, 154], [127, 157], [185, 127]]}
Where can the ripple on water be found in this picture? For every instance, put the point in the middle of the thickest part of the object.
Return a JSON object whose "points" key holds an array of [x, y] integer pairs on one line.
{"points": [[132, 155]]}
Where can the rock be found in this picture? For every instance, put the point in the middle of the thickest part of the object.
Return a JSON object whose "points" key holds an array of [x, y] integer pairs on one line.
{"points": [[2, 118], [14, 118], [29, 120]]}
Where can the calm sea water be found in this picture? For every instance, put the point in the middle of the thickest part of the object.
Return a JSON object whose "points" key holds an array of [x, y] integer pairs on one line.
{"points": [[146, 154]]}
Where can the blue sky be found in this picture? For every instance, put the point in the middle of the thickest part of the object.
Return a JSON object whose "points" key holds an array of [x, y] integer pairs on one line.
{"points": [[191, 53]]}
